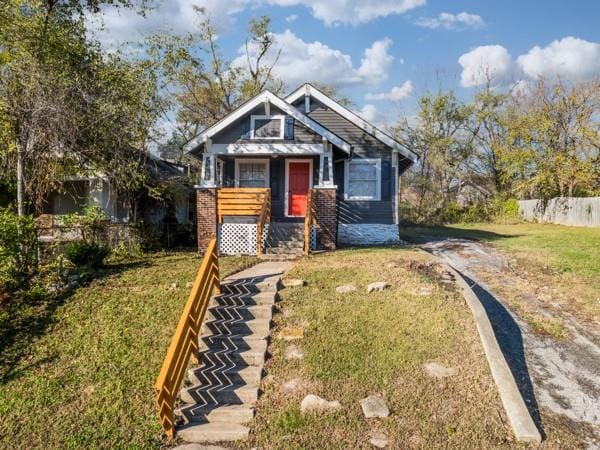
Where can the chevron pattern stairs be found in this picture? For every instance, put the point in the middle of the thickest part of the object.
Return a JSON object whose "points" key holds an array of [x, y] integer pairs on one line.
{"points": [[219, 399]]}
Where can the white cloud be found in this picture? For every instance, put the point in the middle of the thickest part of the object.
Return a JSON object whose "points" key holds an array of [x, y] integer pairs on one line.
{"points": [[569, 58], [487, 62], [368, 113], [352, 12], [117, 25], [291, 18], [375, 64], [451, 21], [396, 94], [302, 61]]}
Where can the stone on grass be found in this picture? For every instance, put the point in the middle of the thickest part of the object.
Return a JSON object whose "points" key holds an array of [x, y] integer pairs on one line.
{"points": [[172, 287], [198, 447], [292, 385], [189, 285], [379, 440], [292, 282], [291, 333], [314, 403], [345, 289], [374, 406], [293, 352], [437, 370], [378, 286], [424, 291]]}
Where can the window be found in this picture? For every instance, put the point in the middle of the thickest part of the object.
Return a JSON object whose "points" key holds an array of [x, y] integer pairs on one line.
{"points": [[267, 127], [252, 173], [363, 179]]}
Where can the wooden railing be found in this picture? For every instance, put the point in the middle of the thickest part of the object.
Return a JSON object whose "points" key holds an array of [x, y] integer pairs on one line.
{"points": [[185, 340], [309, 220], [263, 218], [241, 201]]}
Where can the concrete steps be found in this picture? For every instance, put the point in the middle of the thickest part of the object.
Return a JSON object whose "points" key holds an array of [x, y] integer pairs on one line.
{"points": [[217, 403], [285, 239]]}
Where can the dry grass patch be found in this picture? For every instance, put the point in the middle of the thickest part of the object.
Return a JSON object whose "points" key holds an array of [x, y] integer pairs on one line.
{"points": [[357, 344]]}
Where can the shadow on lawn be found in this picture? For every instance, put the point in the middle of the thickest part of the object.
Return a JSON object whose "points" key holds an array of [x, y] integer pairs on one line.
{"points": [[24, 319], [509, 337], [423, 234]]}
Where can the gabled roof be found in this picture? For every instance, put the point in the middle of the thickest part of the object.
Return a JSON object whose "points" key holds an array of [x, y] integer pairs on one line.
{"points": [[274, 100], [309, 90]]}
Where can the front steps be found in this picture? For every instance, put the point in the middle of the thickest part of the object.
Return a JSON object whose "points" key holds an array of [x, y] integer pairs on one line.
{"points": [[285, 241], [219, 399]]}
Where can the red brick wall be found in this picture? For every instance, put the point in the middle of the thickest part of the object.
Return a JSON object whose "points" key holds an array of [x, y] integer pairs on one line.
{"points": [[206, 210], [327, 218]]}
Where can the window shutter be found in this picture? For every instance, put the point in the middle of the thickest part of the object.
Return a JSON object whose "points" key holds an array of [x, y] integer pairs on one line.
{"points": [[386, 182], [289, 128], [246, 128]]}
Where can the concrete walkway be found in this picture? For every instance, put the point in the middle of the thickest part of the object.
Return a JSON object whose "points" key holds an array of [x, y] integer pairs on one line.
{"points": [[223, 389]]}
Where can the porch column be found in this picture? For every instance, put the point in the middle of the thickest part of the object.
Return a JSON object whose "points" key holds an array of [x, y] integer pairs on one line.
{"points": [[209, 167], [326, 211], [326, 165], [206, 214]]}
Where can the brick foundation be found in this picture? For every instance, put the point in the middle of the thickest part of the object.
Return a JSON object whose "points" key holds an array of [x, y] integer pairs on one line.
{"points": [[206, 211], [327, 217]]}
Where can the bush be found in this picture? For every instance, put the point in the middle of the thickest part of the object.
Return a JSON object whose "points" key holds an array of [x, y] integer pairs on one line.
{"points": [[83, 253], [18, 249]]}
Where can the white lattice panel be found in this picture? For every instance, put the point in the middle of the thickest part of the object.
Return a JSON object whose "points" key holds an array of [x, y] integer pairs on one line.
{"points": [[239, 238], [313, 237]]}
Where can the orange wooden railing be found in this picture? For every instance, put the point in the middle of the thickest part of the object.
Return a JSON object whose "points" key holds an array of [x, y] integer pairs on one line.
{"points": [[185, 340], [309, 219], [263, 218], [240, 201]]}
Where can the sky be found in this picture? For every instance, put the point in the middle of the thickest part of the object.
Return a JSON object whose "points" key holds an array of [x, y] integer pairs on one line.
{"points": [[383, 54]]}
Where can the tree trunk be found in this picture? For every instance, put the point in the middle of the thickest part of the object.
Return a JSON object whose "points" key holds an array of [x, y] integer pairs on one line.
{"points": [[20, 182]]}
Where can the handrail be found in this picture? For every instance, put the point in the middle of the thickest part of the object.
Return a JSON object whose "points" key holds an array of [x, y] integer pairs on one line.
{"points": [[309, 219], [265, 217], [185, 340]]}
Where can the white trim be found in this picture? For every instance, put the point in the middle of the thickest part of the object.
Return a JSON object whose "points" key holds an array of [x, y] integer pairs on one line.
{"points": [[308, 89], [264, 161], [287, 182], [377, 162], [279, 117], [247, 107], [264, 148]]}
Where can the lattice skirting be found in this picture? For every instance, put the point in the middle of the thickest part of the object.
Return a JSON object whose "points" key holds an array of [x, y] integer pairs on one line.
{"points": [[239, 238], [313, 237]]}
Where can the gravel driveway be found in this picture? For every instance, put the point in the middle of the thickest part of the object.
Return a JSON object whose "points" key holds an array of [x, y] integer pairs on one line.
{"points": [[559, 378]]}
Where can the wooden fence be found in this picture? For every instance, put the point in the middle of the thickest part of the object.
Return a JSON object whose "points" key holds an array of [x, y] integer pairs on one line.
{"points": [[575, 211], [240, 201], [185, 340]]}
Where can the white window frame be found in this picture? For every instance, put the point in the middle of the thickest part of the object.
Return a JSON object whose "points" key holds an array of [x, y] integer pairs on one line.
{"points": [[377, 162], [264, 161], [279, 117], [286, 203]]}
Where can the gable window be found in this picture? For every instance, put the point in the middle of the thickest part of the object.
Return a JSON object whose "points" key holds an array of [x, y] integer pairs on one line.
{"points": [[267, 127], [252, 173], [363, 179]]}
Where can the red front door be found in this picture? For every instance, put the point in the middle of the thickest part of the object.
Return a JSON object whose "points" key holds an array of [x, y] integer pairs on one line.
{"points": [[298, 182]]}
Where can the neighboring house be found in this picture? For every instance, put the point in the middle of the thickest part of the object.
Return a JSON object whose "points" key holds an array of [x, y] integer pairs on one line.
{"points": [[469, 192], [79, 192], [303, 142]]}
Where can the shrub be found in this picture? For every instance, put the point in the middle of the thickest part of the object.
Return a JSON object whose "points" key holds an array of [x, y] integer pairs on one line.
{"points": [[83, 253], [18, 248], [91, 225]]}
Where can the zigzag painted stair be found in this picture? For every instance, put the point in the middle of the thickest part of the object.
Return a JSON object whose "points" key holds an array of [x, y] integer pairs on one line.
{"points": [[218, 401]]}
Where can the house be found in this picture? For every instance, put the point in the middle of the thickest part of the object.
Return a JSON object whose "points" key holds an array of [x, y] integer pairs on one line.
{"points": [[79, 192], [311, 161]]}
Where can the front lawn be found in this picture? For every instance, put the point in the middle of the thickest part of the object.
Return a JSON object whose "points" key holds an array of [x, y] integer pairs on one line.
{"points": [[79, 371], [565, 258], [357, 344]]}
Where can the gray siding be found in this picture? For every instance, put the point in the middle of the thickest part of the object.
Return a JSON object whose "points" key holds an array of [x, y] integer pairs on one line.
{"points": [[234, 132]]}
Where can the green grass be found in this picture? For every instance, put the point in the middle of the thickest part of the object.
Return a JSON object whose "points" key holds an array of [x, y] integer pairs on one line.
{"points": [[566, 257], [358, 344], [78, 371]]}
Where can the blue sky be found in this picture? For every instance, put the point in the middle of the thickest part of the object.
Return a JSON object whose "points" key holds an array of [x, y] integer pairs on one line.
{"points": [[369, 47]]}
